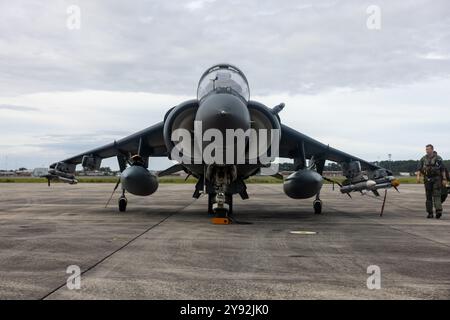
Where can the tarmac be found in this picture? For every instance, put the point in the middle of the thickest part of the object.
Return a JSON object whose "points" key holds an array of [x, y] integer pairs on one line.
{"points": [[165, 247]]}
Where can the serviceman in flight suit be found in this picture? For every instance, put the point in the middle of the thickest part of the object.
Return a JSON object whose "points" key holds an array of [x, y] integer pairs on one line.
{"points": [[432, 168]]}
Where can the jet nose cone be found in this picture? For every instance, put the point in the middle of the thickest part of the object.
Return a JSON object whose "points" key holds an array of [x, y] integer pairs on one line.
{"points": [[223, 111]]}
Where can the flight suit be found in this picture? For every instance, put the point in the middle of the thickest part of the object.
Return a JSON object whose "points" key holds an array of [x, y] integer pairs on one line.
{"points": [[432, 169]]}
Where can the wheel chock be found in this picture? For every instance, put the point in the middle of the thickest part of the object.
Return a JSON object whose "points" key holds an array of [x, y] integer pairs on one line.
{"points": [[221, 220]]}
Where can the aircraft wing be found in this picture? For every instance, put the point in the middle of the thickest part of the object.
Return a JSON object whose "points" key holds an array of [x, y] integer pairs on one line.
{"points": [[292, 142], [149, 141]]}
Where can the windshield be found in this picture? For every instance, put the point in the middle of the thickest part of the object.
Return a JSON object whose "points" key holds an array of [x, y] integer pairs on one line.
{"points": [[223, 77]]}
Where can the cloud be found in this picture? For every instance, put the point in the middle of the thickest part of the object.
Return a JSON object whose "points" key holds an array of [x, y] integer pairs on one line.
{"points": [[16, 108], [364, 91], [163, 46], [197, 4], [435, 56], [368, 123]]}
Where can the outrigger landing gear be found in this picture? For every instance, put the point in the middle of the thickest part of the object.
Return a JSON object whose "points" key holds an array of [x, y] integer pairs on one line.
{"points": [[123, 202], [317, 204]]}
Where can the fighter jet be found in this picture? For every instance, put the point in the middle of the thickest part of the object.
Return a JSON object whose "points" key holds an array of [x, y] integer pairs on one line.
{"points": [[222, 138]]}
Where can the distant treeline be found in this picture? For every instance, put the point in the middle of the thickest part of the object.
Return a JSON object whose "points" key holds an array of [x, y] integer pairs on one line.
{"points": [[395, 166]]}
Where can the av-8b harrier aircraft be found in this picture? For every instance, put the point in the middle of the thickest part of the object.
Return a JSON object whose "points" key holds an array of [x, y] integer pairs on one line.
{"points": [[222, 138]]}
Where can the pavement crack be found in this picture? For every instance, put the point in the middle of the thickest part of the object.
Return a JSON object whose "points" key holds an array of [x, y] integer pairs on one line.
{"points": [[121, 247]]}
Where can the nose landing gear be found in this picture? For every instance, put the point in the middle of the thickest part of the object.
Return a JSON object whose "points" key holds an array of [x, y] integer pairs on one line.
{"points": [[220, 201], [220, 205]]}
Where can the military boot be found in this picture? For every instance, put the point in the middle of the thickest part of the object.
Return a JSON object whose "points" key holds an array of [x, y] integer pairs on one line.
{"points": [[438, 214], [430, 216]]}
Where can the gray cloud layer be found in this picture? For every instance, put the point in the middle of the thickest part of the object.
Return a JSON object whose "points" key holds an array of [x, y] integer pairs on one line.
{"points": [[163, 46], [17, 108], [395, 80]]}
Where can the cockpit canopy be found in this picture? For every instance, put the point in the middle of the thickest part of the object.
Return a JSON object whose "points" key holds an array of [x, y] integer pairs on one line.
{"points": [[223, 77]]}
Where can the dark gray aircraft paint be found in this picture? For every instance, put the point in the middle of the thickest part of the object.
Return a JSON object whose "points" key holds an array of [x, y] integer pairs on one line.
{"points": [[139, 181], [223, 102], [223, 111], [303, 184]]}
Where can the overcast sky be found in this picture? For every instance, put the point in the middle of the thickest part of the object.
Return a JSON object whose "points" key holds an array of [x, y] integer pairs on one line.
{"points": [[369, 92]]}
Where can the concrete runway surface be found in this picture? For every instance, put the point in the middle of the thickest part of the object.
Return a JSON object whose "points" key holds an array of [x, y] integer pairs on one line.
{"points": [[164, 246]]}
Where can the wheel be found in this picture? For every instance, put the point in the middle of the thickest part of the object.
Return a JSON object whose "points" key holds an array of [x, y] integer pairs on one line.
{"points": [[122, 204], [210, 202], [229, 201], [221, 212], [317, 206]]}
